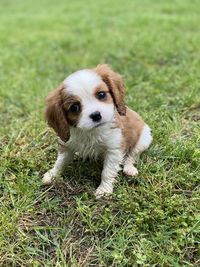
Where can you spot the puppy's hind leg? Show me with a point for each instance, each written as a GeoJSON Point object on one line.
{"type": "Point", "coordinates": [64, 156]}
{"type": "Point", "coordinates": [128, 166]}
{"type": "Point", "coordinates": [142, 144]}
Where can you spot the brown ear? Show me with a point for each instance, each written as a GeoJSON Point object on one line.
{"type": "Point", "coordinates": [55, 115]}
{"type": "Point", "coordinates": [115, 84]}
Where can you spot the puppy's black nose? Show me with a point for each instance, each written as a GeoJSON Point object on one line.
{"type": "Point", "coordinates": [95, 116]}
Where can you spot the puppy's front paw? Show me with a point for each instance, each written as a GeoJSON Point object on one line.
{"type": "Point", "coordinates": [47, 178]}
{"type": "Point", "coordinates": [103, 190]}
{"type": "Point", "coordinates": [130, 170]}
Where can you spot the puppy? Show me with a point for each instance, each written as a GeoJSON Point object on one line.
{"type": "Point", "coordinates": [88, 114]}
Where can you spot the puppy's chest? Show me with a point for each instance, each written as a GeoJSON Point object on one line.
{"type": "Point", "coordinates": [95, 142]}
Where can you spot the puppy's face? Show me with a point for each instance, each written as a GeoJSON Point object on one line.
{"type": "Point", "coordinates": [87, 99]}
{"type": "Point", "coordinates": [88, 102]}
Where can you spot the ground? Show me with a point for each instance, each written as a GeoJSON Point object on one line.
{"type": "Point", "coordinates": [151, 220]}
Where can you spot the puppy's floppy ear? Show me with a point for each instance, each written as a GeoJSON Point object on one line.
{"type": "Point", "coordinates": [115, 84]}
{"type": "Point", "coordinates": [55, 114]}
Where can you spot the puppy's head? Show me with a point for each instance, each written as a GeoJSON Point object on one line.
{"type": "Point", "coordinates": [86, 99]}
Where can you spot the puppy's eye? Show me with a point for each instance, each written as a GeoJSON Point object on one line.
{"type": "Point", "coordinates": [75, 107]}
{"type": "Point", "coordinates": [101, 95]}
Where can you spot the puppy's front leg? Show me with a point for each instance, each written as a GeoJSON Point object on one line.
{"type": "Point", "coordinates": [111, 167]}
{"type": "Point", "coordinates": [65, 155]}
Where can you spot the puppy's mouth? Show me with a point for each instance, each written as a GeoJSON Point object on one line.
{"type": "Point", "coordinates": [100, 124]}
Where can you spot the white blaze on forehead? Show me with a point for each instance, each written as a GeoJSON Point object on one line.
{"type": "Point", "coordinates": [82, 81]}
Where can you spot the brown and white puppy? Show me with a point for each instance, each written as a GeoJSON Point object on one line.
{"type": "Point", "coordinates": [88, 114]}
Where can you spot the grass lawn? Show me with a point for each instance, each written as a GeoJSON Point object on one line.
{"type": "Point", "coordinates": [152, 220]}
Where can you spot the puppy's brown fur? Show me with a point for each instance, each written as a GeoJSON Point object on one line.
{"type": "Point", "coordinates": [115, 85]}
{"type": "Point", "coordinates": [121, 133]}
{"type": "Point", "coordinates": [59, 117]}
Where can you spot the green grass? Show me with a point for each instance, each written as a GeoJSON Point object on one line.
{"type": "Point", "coordinates": [152, 220]}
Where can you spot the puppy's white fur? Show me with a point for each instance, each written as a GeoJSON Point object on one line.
{"type": "Point", "coordinates": [103, 141]}
{"type": "Point", "coordinates": [107, 140]}
{"type": "Point", "coordinates": [142, 144]}
{"type": "Point", "coordinates": [82, 83]}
